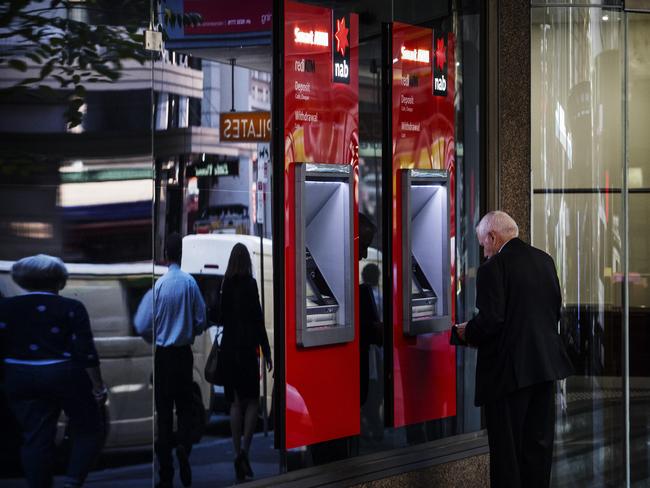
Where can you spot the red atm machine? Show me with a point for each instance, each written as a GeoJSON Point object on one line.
{"type": "Point", "coordinates": [321, 121]}
{"type": "Point", "coordinates": [423, 382]}
{"type": "Point", "coordinates": [424, 246]}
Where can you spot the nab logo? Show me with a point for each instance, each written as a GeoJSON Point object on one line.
{"type": "Point", "coordinates": [341, 48]}
{"type": "Point", "coordinates": [440, 65]}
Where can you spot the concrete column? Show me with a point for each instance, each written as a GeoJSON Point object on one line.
{"type": "Point", "coordinates": [508, 107]}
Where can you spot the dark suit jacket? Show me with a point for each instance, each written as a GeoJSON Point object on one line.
{"type": "Point", "coordinates": [516, 330]}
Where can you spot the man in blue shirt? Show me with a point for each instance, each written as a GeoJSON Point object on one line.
{"type": "Point", "coordinates": [179, 315]}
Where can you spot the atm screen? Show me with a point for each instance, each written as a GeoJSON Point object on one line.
{"type": "Point", "coordinates": [318, 291]}
{"type": "Point", "coordinates": [420, 286]}
{"type": "Point", "coordinates": [423, 298]}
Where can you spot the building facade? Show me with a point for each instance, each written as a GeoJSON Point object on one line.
{"type": "Point", "coordinates": [336, 109]}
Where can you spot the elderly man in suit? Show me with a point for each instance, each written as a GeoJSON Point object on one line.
{"type": "Point", "coordinates": [520, 354]}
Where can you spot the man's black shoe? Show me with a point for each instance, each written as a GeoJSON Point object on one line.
{"type": "Point", "coordinates": [184, 468]}
{"type": "Point", "coordinates": [164, 484]}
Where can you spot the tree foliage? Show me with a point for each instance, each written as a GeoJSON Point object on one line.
{"type": "Point", "coordinates": [72, 44]}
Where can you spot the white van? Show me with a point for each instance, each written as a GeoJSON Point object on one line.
{"type": "Point", "coordinates": [205, 257]}
{"type": "Point", "coordinates": [111, 294]}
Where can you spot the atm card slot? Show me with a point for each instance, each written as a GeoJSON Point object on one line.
{"type": "Point", "coordinates": [423, 309]}
{"type": "Point", "coordinates": [417, 301]}
{"type": "Point", "coordinates": [418, 314]}
{"type": "Point", "coordinates": [321, 319]}
{"type": "Point", "coordinates": [321, 309]}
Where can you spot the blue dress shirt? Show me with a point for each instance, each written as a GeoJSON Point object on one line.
{"type": "Point", "coordinates": [175, 309]}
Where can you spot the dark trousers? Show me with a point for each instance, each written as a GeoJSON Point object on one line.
{"type": "Point", "coordinates": [36, 395]}
{"type": "Point", "coordinates": [521, 429]}
{"type": "Point", "coordinates": [172, 388]}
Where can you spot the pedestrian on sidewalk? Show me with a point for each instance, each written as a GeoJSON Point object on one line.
{"type": "Point", "coordinates": [520, 354]}
{"type": "Point", "coordinates": [179, 315]}
{"type": "Point", "coordinates": [243, 334]}
{"type": "Point", "coordinates": [51, 365]}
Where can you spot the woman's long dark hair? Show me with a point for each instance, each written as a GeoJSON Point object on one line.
{"type": "Point", "coordinates": [239, 263]}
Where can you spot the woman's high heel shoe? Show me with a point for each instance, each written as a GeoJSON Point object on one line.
{"type": "Point", "coordinates": [247, 465]}
{"type": "Point", "coordinates": [240, 470]}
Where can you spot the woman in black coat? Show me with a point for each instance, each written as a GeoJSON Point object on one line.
{"type": "Point", "coordinates": [243, 333]}
{"type": "Point", "coordinates": [50, 364]}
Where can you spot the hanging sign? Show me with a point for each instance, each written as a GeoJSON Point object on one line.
{"type": "Point", "coordinates": [245, 126]}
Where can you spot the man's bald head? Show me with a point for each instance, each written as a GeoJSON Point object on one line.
{"type": "Point", "coordinates": [494, 230]}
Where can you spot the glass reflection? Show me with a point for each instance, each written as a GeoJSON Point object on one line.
{"type": "Point", "coordinates": [216, 195]}
{"type": "Point", "coordinates": [577, 216]}
{"type": "Point", "coordinates": [76, 183]}
{"type": "Point", "coordinates": [638, 165]}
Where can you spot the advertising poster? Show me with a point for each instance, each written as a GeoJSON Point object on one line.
{"type": "Point", "coordinates": [321, 121]}
{"type": "Point", "coordinates": [424, 370]}
{"type": "Point", "coordinates": [320, 85]}
{"type": "Point", "coordinates": [229, 17]}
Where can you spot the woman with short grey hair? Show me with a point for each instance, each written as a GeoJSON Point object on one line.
{"type": "Point", "coordinates": [51, 365]}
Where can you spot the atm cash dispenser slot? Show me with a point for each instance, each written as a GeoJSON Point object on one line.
{"type": "Point", "coordinates": [321, 305]}
{"type": "Point", "coordinates": [425, 251]}
{"type": "Point", "coordinates": [423, 297]}
{"type": "Point", "coordinates": [324, 236]}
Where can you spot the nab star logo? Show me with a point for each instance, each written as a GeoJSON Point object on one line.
{"type": "Point", "coordinates": [341, 52]}
{"type": "Point", "coordinates": [441, 55]}
{"type": "Point", "coordinates": [439, 74]}
{"type": "Point", "coordinates": [341, 36]}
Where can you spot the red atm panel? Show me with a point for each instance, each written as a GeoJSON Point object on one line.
{"type": "Point", "coordinates": [424, 370]}
{"type": "Point", "coordinates": [320, 128]}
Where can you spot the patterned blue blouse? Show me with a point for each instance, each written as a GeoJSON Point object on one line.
{"type": "Point", "coordinates": [44, 326]}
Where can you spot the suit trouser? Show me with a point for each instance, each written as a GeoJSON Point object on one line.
{"type": "Point", "coordinates": [521, 429]}
{"type": "Point", "coordinates": [37, 394]}
{"type": "Point", "coordinates": [172, 387]}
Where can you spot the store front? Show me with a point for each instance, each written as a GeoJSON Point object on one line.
{"type": "Point", "coordinates": [378, 94]}
{"type": "Point", "coordinates": [589, 100]}
{"type": "Point", "coordinates": [341, 143]}
{"type": "Point", "coordinates": [373, 107]}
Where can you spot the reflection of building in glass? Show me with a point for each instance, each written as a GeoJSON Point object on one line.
{"type": "Point", "coordinates": [97, 177]}
{"type": "Point", "coordinates": [203, 185]}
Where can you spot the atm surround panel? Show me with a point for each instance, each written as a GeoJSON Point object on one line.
{"type": "Point", "coordinates": [426, 277]}
{"type": "Point", "coordinates": [324, 233]}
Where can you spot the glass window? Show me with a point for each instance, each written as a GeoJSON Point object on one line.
{"type": "Point", "coordinates": [638, 167]}
{"type": "Point", "coordinates": [115, 150]}
{"type": "Point", "coordinates": [76, 183]}
{"type": "Point", "coordinates": [577, 216]}
{"type": "Point", "coordinates": [214, 189]}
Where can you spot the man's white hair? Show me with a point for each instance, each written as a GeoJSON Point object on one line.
{"type": "Point", "coordinates": [498, 222]}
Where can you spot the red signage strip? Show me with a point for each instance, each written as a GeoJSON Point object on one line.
{"type": "Point", "coordinates": [321, 126]}
{"type": "Point", "coordinates": [424, 369]}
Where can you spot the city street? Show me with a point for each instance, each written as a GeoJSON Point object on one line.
{"type": "Point", "coordinates": [212, 463]}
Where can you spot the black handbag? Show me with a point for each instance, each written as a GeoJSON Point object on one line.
{"type": "Point", "coordinates": [213, 371]}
